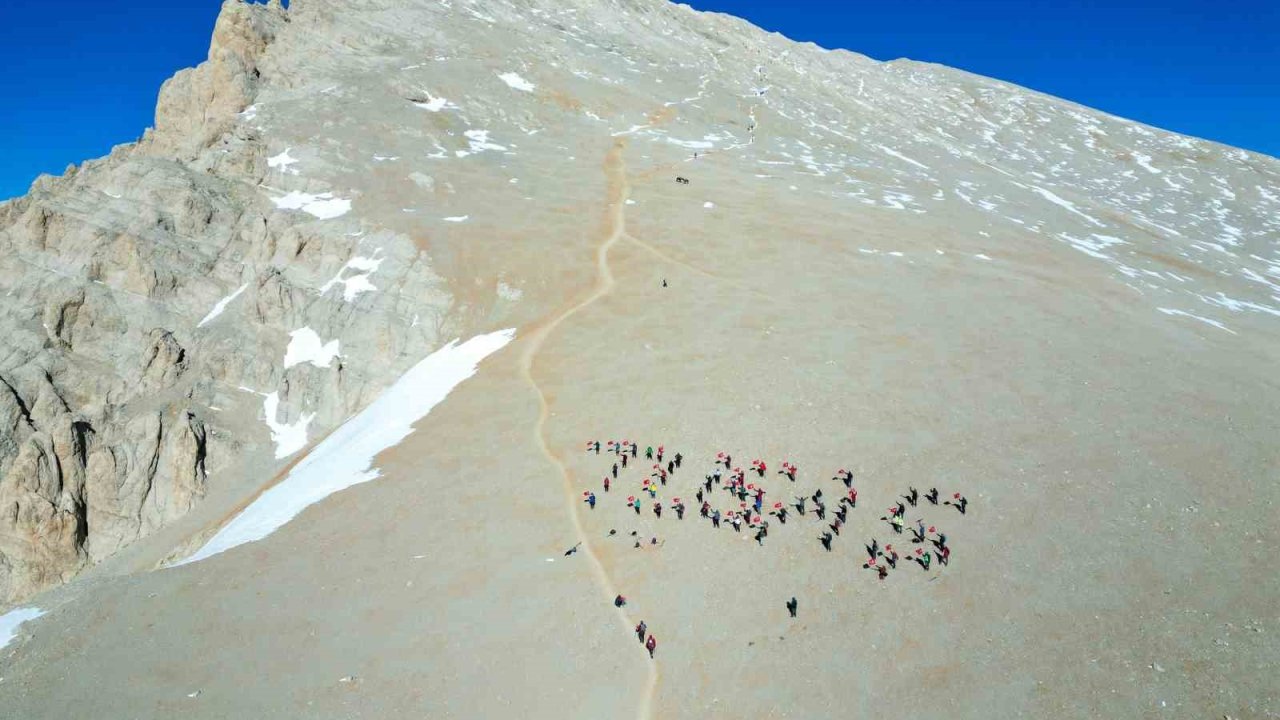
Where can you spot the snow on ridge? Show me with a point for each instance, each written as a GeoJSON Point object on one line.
{"type": "Point", "coordinates": [282, 162]}
{"type": "Point", "coordinates": [305, 346]}
{"type": "Point", "coordinates": [356, 284]}
{"type": "Point", "coordinates": [346, 457]}
{"type": "Point", "coordinates": [289, 439]}
{"type": "Point", "coordinates": [323, 206]}
{"type": "Point", "coordinates": [516, 82]}
{"type": "Point", "coordinates": [221, 305]}
{"type": "Point", "coordinates": [12, 620]}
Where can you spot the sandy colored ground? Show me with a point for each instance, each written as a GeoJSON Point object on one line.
{"type": "Point", "coordinates": [1117, 519]}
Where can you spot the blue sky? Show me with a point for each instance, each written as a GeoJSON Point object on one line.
{"type": "Point", "coordinates": [82, 76]}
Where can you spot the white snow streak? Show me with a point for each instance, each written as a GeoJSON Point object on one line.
{"type": "Point", "coordinates": [12, 620]}
{"type": "Point", "coordinates": [516, 82]}
{"type": "Point", "coordinates": [221, 305]}
{"type": "Point", "coordinates": [345, 458]}
{"type": "Point", "coordinates": [324, 206]}
{"type": "Point", "coordinates": [305, 346]}
{"type": "Point", "coordinates": [1215, 323]}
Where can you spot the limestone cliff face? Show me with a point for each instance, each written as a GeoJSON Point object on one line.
{"type": "Point", "coordinates": [117, 403]}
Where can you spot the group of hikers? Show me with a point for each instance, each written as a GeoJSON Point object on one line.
{"type": "Point", "coordinates": [926, 546]}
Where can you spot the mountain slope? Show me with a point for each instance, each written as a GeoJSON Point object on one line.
{"type": "Point", "coordinates": [928, 277]}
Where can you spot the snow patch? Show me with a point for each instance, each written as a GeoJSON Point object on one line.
{"type": "Point", "coordinates": [305, 346]}
{"type": "Point", "coordinates": [12, 620]}
{"type": "Point", "coordinates": [356, 284]}
{"type": "Point", "coordinates": [221, 305]}
{"type": "Point", "coordinates": [1207, 321]}
{"type": "Point", "coordinates": [323, 206]}
{"type": "Point", "coordinates": [289, 439]}
{"type": "Point", "coordinates": [516, 82]}
{"type": "Point", "coordinates": [345, 458]}
{"type": "Point", "coordinates": [708, 204]}
{"type": "Point", "coordinates": [282, 162]}
{"type": "Point", "coordinates": [457, 218]}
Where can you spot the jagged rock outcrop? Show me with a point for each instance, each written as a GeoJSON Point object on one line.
{"type": "Point", "coordinates": [148, 298]}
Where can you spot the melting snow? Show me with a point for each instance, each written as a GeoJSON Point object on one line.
{"type": "Point", "coordinates": [221, 305]}
{"type": "Point", "coordinates": [457, 218]}
{"type": "Point", "coordinates": [708, 204]}
{"type": "Point", "coordinates": [345, 458]}
{"type": "Point", "coordinates": [355, 284]}
{"type": "Point", "coordinates": [305, 346]}
{"type": "Point", "coordinates": [1064, 204]}
{"type": "Point", "coordinates": [282, 162]}
{"type": "Point", "coordinates": [289, 439]}
{"type": "Point", "coordinates": [1215, 323]}
{"type": "Point", "coordinates": [324, 206]}
{"type": "Point", "coordinates": [12, 620]}
{"type": "Point", "coordinates": [515, 81]}
{"type": "Point", "coordinates": [900, 156]}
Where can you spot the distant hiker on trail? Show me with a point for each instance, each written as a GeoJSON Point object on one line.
{"type": "Point", "coordinates": [844, 476]}
{"type": "Point", "coordinates": [932, 496]}
{"type": "Point", "coordinates": [799, 505]}
{"type": "Point", "coordinates": [918, 532]}
{"type": "Point", "coordinates": [660, 450]}
{"type": "Point", "coordinates": [891, 556]}
{"type": "Point", "coordinates": [882, 572]}
{"type": "Point", "coordinates": [671, 466]}
{"type": "Point", "coordinates": [591, 500]}
{"type": "Point", "coordinates": [941, 541]}
{"type": "Point", "coordinates": [679, 509]}
{"type": "Point", "coordinates": [835, 527]}
{"type": "Point", "coordinates": [634, 448]}
{"type": "Point", "coordinates": [635, 503]}
{"type": "Point", "coordinates": [657, 510]}
{"type": "Point", "coordinates": [736, 521]}
{"type": "Point", "coordinates": [826, 541]}
{"type": "Point", "coordinates": [651, 644]}
{"type": "Point", "coordinates": [679, 458]}
{"type": "Point", "coordinates": [705, 510]}
{"type": "Point", "coordinates": [820, 510]}
{"type": "Point", "coordinates": [791, 606]}
{"type": "Point", "coordinates": [597, 447]}
{"type": "Point", "coordinates": [715, 519]}
{"type": "Point", "coordinates": [912, 496]}
{"type": "Point", "coordinates": [842, 513]}
{"type": "Point", "coordinates": [853, 497]}
{"type": "Point", "coordinates": [619, 601]}
{"type": "Point", "coordinates": [961, 502]}
{"type": "Point", "coordinates": [760, 536]}
{"type": "Point", "coordinates": [615, 471]}
{"type": "Point", "coordinates": [641, 629]}
{"type": "Point", "coordinates": [789, 470]}
{"type": "Point", "coordinates": [944, 556]}
{"type": "Point", "coordinates": [572, 550]}
{"type": "Point", "coordinates": [624, 460]}
{"type": "Point", "coordinates": [606, 483]}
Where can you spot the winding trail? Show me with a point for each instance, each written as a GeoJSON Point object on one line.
{"type": "Point", "coordinates": [615, 230]}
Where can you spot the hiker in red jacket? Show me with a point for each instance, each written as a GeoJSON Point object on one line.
{"type": "Point", "coordinates": [651, 644]}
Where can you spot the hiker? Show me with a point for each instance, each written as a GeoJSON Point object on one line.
{"type": "Point", "coordinates": [634, 448]}
{"type": "Point", "coordinates": [842, 513]}
{"type": "Point", "coordinates": [727, 461]}
{"type": "Point", "coordinates": [882, 572]}
{"type": "Point", "coordinates": [619, 601]}
{"type": "Point", "coordinates": [961, 502]}
{"type": "Point", "coordinates": [635, 503]}
{"type": "Point", "coordinates": [615, 471]}
{"type": "Point", "coordinates": [679, 510]}
{"type": "Point", "coordinates": [853, 497]}
{"type": "Point", "coordinates": [715, 519]}
{"type": "Point", "coordinates": [641, 629]}
{"type": "Point", "coordinates": [791, 606]}
{"type": "Point", "coordinates": [912, 496]}
{"type": "Point", "coordinates": [923, 558]}
{"type": "Point", "coordinates": [648, 453]}
{"type": "Point", "coordinates": [826, 541]}
{"type": "Point", "coordinates": [821, 511]}
{"type": "Point", "coordinates": [671, 466]}
{"type": "Point", "coordinates": [932, 496]}
{"type": "Point", "coordinates": [918, 532]}
{"type": "Point", "coordinates": [944, 556]}
{"type": "Point", "coordinates": [891, 556]}
{"type": "Point", "coordinates": [800, 505]}
{"type": "Point", "coordinates": [760, 537]}
{"type": "Point", "coordinates": [591, 500]}
{"type": "Point", "coordinates": [789, 470]}
{"type": "Point", "coordinates": [572, 550]}
{"type": "Point", "coordinates": [660, 450]}
{"type": "Point", "coordinates": [657, 510]}
{"type": "Point", "coordinates": [597, 447]}
{"type": "Point", "coordinates": [624, 460]}
{"type": "Point", "coordinates": [651, 644]}
{"type": "Point", "coordinates": [606, 483]}
{"type": "Point", "coordinates": [835, 527]}
{"type": "Point", "coordinates": [899, 510]}
{"type": "Point", "coordinates": [844, 476]}
{"type": "Point", "coordinates": [736, 521]}
{"type": "Point", "coordinates": [705, 510]}
{"type": "Point", "coordinates": [679, 458]}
